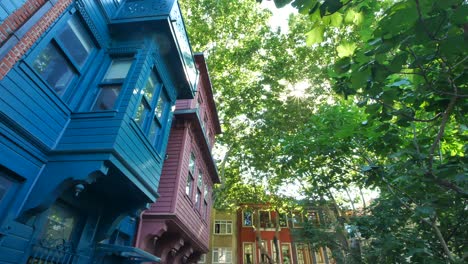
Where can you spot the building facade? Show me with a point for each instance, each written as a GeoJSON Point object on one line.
{"type": "Point", "coordinates": [87, 96]}
{"type": "Point", "coordinates": [234, 237]}
{"type": "Point", "coordinates": [176, 228]}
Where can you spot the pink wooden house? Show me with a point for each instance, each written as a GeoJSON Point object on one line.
{"type": "Point", "coordinates": [176, 228]}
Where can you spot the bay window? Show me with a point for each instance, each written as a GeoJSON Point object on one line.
{"type": "Point", "coordinates": [111, 85]}
{"type": "Point", "coordinates": [153, 110]}
{"type": "Point", "coordinates": [62, 60]}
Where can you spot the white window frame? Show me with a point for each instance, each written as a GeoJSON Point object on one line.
{"type": "Point", "coordinates": [265, 245]}
{"type": "Point", "coordinates": [243, 217]}
{"type": "Point", "coordinates": [222, 250]}
{"type": "Point", "coordinates": [290, 252]}
{"type": "Point", "coordinates": [222, 222]}
{"type": "Point", "coordinates": [254, 259]}
{"type": "Point", "coordinates": [293, 219]}
{"type": "Point", "coordinates": [273, 249]}
{"type": "Point", "coordinates": [268, 224]}
{"type": "Point", "coordinates": [202, 259]}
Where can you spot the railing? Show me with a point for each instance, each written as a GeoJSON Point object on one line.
{"type": "Point", "coordinates": [62, 252]}
{"type": "Point", "coordinates": [56, 253]}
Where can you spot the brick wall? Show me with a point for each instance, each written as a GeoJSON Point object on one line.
{"type": "Point", "coordinates": [19, 18]}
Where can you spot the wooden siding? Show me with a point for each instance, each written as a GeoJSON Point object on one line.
{"type": "Point", "coordinates": [188, 215]}
{"type": "Point", "coordinates": [136, 150]}
{"type": "Point", "coordinates": [32, 110]}
{"type": "Point", "coordinates": [14, 246]}
{"type": "Point", "coordinates": [168, 185]}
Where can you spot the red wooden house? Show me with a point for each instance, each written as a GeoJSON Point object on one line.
{"type": "Point", "coordinates": [176, 228]}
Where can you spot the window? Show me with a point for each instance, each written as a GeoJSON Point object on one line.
{"type": "Point", "coordinates": [62, 60]}
{"type": "Point", "coordinates": [5, 184]}
{"type": "Point", "coordinates": [110, 87]}
{"type": "Point", "coordinates": [263, 257]}
{"type": "Point", "coordinates": [153, 111]}
{"type": "Point", "coordinates": [198, 196]}
{"type": "Point", "coordinates": [265, 221]}
{"type": "Point", "coordinates": [222, 256]}
{"type": "Point", "coordinates": [198, 199]}
{"type": "Point", "coordinates": [283, 219]}
{"type": "Point", "coordinates": [205, 201]}
{"type": "Point", "coordinates": [202, 259]}
{"type": "Point", "coordinates": [61, 222]}
{"type": "Point", "coordinates": [249, 257]}
{"type": "Point", "coordinates": [286, 253]}
{"type": "Point", "coordinates": [273, 250]}
{"type": "Point", "coordinates": [247, 218]}
{"type": "Point", "coordinates": [222, 227]}
{"type": "Point", "coordinates": [319, 256]}
{"type": "Point", "coordinates": [6, 192]}
{"type": "Point", "coordinates": [303, 254]}
{"type": "Point", "coordinates": [189, 184]}
{"type": "Point", "coordinates": [313, 218]}
{"type": "Point", "coordinates": [298, 221]}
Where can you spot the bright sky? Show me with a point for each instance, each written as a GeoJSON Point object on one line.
{"type": "Point", "coordinates": [280, 15]}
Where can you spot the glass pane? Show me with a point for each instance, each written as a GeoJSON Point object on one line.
{"type": "Point", "coordinates": [205, 191]}
{"type": "Point", "coordinates": [162, 102]}
{"type": "Point", "coordinates": [286, 254]}
{"type": "Point", "coordinates": [150, 86]}
{"type": "Point", "coordinates": [200, 179]}
{"type": "Point", "coordinates": [107, 97]}
{"type": "Point", "coordinates": [118, 69]}
{"type": "Point", "coordinates": [5, 184]}
{"type": "Point", "coordinates": [59, 227]}
{"type": "Point", "coordinates": [76, 40]}
{"type": "Point", "coordinates": [54, 68]}
{"type": "Point", "coordinates": [197, 199]}
{"type": "Point", "coordinates": [142, 112]}
{"type": "Point", "coordinates": [154, 129]}
{"type": "Point", "coordinates": [188, 186]}
{"type": "Point", "coordinates": [192, 163]}
{"type": "Point", "coordinates": [247, 218]}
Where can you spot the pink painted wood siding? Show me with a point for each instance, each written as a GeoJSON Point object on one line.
{"type": "Point", "coordinates": [169, 178]}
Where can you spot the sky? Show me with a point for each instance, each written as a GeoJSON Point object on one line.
{"type": "Point", "coordinates": [280, 15]}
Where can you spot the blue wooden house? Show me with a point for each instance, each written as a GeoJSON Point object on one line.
{"type": "Point", "coordinates": [87, 90]}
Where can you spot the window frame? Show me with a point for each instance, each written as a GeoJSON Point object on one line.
{"type": "Point", "coordinates": [192, 165]}
{"type": "Point", "coordinates": [290, 252]}
{"type": "Point", "coordinates": [52, 38]}
{"type": "Point", "coordinates": [251, 216]}
{"type": "Point", "coordinates": [10, 191]}
{"type": "Point", "coordinates": [297, 225]}
{"type": "Point", "coordinates": [254, 260]}
{"type": "Point", "coordinates": [222, 222]}
{"type": "Point", "coordinates": [268, 223]}
{"type": "Point", "coordinates": [150, 117]}
{"type": "Point", "coordinates": [108, 83]}
{"type": "Point", "coordinates": [222, 250]}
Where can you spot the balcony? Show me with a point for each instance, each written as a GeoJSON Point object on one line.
{"type": "Point", "coordinates": [162, 21]}
{"type": "Point", "coordinates": [63, 253]}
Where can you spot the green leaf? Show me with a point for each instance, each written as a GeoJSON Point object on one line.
{"type": "Point", "coordinates": [353, 17]}
{"type": "Point", "coordinates": [425, 211]}
{"type": "Point", "coordinates": [281, 3]}
{"type": "Point", "coordinates": [460, 16]}
{"type": "Point", "coordinates": [346, 49]}
{"type": "Point", "coordinates": [314, 36]}
{"type": "Point", "coordinates": [342, 65]}
{"type": "Point", "coordinates": [304, 6]}
{"type": "Point", "coordinates": [330, 7]}
{"type": "Point", "coordinates": [360, 78]}
{"type": "Point", "coordinates": [398, 62]}
{"type": "Point", "coordinates": [336, 19]}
